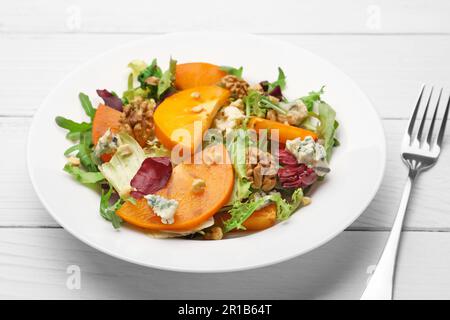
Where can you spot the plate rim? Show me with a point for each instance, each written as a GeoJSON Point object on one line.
{"type": "Point", "coordinates": [331, 235]}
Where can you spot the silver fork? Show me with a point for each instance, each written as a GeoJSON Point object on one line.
{"type": "Point", "coordinates": [419, 154]}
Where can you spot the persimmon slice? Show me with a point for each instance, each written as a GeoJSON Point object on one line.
{"type": "Point", "coordinates": [182, 118]}
{"type": "Point", "coordinates": [285, 132]}
{"type": "Point", "coordinates": [195, 74]}
{"type": "Point", "coordinates": [105, 118]}
{"type": "Point", "coordinates": [194, 208]}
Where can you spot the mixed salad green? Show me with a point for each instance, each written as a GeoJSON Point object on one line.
{"type": "Point", "coordinates": [278, 149]}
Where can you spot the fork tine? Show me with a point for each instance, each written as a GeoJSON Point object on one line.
{"type": "Point", "coordinates": [444, 122]}
{"type": "Point", "coordinates": [430, 131]}
{"type": "Point", "coordinates": [424, 117]}
{"type": "Point", "coordinates": [412, 120]}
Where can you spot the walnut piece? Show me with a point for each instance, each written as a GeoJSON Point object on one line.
{"type": "Point", "coordinates": [215, 233]}
{"type": "Point", "coordinates": [306, 201]}
{"type": "Point", "coordinates": [261, 169]}
{"type": "Point", "coordinates": [257, 87]}
{"type": "Point", "coordinates": [198, 185]}
{"type": "Point", "coordinates": [153, 81]}
{"type": "Point", "coordinates": [74, 161]}
{"type": "Point", "coordinates": [237, 87]}
{"type": "Point", "coordinates": [137, 120]}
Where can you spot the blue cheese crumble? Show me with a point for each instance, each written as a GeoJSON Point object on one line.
{"type": "Point", "coordinates": [164, 208]}
{"type": "Point", "coordinates": [108, 143]}
{"type": "Point", "coordinates": [230, 117]}
{"type": "Point", "coordinates": [309, 152]}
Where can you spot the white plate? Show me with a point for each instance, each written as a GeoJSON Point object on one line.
{"type": "Point", "coordinates": [357, 165]}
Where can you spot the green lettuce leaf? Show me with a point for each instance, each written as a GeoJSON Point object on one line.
{"type": "Point", "coordinates": [241, 211]}
{"type": "Point", "coordinates": [284, 208]}
{"type": "Point", "coordinates": [137, 66]}
{"type": "Point", "coordinates": [151, 71]}
{"type": "Point", "coordinates": [122, 168]}
{"type": "Point", "coordinates": [327, 127]}
{"type": "Point", "coordinates": [167, 79]}
{"type": "Point", "coordinates": [238, 150]}
{"type": "Point", "coordinates": [130, 94]}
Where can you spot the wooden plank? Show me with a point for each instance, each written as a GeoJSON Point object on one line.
{"type": "Point", "coordinates": [321, 16]}
{"type": "Point", "coordinates": [34, 263]}
{"type": "Point", "coordinates": [429, 207]}
{"type": "Point", "coordinates": [19, 204]}
{"type": "Point", "coordinates": [388, 68]}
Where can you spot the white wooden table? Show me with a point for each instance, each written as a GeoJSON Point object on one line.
{"type": "Point", "coordinates": [388, 47]}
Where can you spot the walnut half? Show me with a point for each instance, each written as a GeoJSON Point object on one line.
{"type": "Point", "coordinates": [137, 120]}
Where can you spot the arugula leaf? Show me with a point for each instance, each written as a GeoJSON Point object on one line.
{"type": "Point", "coordinates": [252, 104]}
{"type": "Point", "coordinates": [85, 152]}
{"type": "Point", "coordinates": [84, 176]}
{"type": "Point", "coordinates": [72, 126]}
{"type": "Point", "coordinates": [87, 105]}
{"type": "Point", "coordinates": [73, 136]}
{"type": "Point", "coordinates": [311, 98]}
{"type": "Point", "coordinates": [71, 149]}
{"type": "Point", "coordinates": [108, 211]}
{"type": "Point", "coordinates": [167, 78]}
{"type": "Point", "coordinates": [327, 127]}
{"type": "Point", "coordinates": [281, 81]}
{"type": "Point", "coordinates": [233, 71]}
{"type": "Point", "coordinates": [257, 104]}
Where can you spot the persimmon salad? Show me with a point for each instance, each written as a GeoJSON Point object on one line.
{"type": "Point", "coordinates": [197, 151]}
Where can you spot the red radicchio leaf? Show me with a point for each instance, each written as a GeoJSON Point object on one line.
{"type": "Point", "coordinates": [151, 176]}
{"type": "Point", "coordinates": [265, 85]}
{"type": "Point", "coordinates": [276, 92]}
{"type": "Point", "coordinates": [286, 158]}
{"type": "Point", "coordinates": [110, 100]}
{"type": "Point", "coordinates": [293, 174]}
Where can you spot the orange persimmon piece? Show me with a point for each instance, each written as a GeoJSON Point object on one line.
{"type": "Point", "coordinates": [259, 220]}
{"type": "Point", "coordinates": [184, 117]}
{"type": "Point", "coordinates": [285, 132]}
{"type": "Point", "coordinates": [262, 219]}
{"type": "Point", "coordinates": [105, 118]}
{"type": "Point", "coordinates": [196, 74]}
{"type": "Point", "coordinates": [194, 207]}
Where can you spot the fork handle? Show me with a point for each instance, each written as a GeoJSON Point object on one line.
{"type": "Point", "coordinates": [381, 283]}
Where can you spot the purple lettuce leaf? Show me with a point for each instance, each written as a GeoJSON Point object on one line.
{"type": "Point", "coordinates": [110, 99]}
{"type": "Point", "coordinates": [151, 176]}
